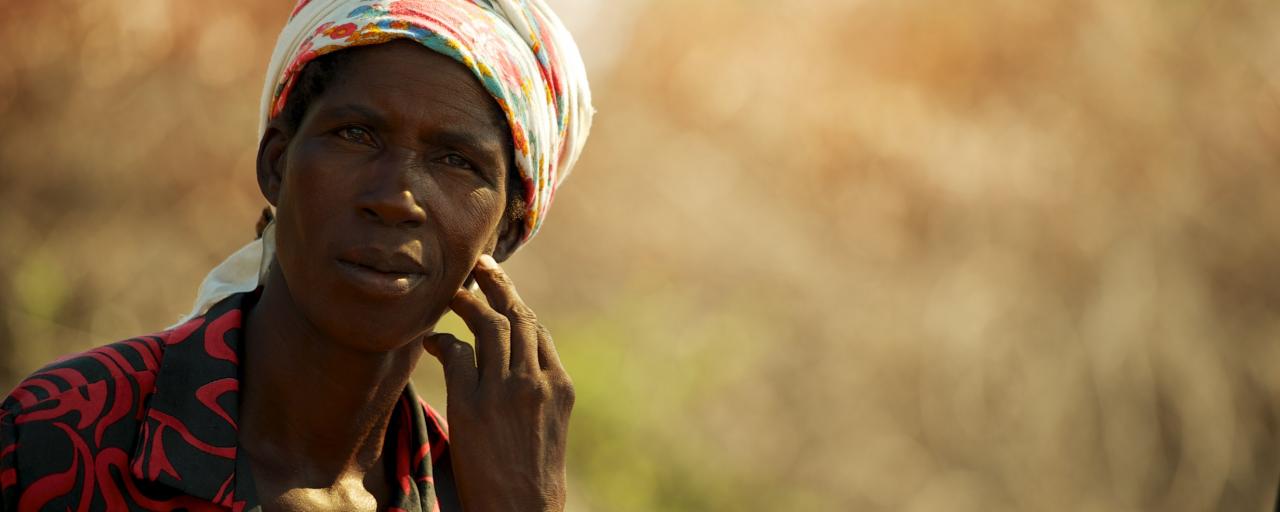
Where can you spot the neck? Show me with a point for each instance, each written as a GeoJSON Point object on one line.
{"type": "Point", "coordinates": [311, 406]}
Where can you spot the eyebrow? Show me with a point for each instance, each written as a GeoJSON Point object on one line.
{"type": "Point", "coordinates": [453, 136]}
{"type": "Point", "coordinates": [470, 141]}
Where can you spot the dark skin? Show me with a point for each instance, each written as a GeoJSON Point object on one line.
{"type": "Point", "coordinates": [390, 192]}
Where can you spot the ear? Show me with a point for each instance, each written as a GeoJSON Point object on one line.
{"type": "Point", "coordinates": [271, 162]}
{"type": "Point", "coordinates": [510, 233]}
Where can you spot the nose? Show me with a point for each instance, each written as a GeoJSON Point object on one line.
{"type": "Point", "coordinates": [388, 197]}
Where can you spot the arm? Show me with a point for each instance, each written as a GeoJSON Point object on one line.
{"type": "Point", "coordinates": [508, 405]}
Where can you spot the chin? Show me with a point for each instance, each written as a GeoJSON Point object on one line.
{"type": "Point", "coordinates": [374, 331]}
{"type": "Point", "coordinates": [372, 325]}
{"type": "Point", "coordinates": [382, 341]}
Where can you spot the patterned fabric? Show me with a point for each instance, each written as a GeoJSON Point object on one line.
{"type": "Point", "coordinates": [518, 49]}
{"type": "Point", "coordinates": [149, 423]}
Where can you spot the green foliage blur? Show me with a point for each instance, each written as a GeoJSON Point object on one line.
{"type": "Point", "coordinates": [819, 254]}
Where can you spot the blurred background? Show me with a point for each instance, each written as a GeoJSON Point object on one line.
{"type": "Point", "coordinates": [819, 255]}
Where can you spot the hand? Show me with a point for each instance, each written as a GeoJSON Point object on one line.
{"type": "Point", "coordinates": [509, 400]}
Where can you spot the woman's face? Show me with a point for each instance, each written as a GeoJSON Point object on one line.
{"type": "Point", "coordinates": [391, 187]}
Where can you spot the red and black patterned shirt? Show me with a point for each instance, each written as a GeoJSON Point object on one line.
{"type": "Point", "coordinates": [149, 423]}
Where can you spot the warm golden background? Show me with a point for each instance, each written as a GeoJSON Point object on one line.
{"type": "Point", "coordinates": [863, 255]}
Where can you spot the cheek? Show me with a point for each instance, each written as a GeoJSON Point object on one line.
{"type": "Point", "coordinates": [310, 181]}
{"type": "Point", "coordinates": [473, 220]}
{"type": "Point", "coordinates": [468, 226]}
{"type": "Point", "coordinates": [310, 196]}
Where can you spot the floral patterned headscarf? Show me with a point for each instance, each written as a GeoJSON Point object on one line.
{"type": "Point", "coordinates": [518, 49]}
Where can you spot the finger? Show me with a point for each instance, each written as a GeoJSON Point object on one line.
{"type": "Point", "coordinates": [548, 357]}
{"type": "Point", "coordinates": [491, 330]}
{"type": "Point", "coordinates": [503, 298]}
{"type": "Point", "coordinates": [458, 360]}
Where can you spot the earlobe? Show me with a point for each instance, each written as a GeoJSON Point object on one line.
{"type": "Point", "coordinates": [271, 160]}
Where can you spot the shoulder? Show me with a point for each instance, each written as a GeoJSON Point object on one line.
{"type": "Point", "coordinates": [82, 408]}
{"type": "Point", "coordinates": [135, 360]}
{"type": "Point", "coordinates": [56, 414]}
{"type": "Point", "coordinates": [101, 413]}
{"type": "Point", "coordinates": [86, 378]}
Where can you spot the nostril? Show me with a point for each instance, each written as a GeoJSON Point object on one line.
{"type": "Point", "coordinates": [391, 218]}
{"type": "Point", "coordinates": [389, 209]}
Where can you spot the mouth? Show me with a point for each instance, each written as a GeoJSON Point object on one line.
{"type": "Point", "coordinates": [381, 277]}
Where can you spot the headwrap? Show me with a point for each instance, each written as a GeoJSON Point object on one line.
{"type": "Point", "coordinates": [518, 49]}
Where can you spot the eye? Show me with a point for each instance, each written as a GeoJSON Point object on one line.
{"type": "Point", "coordinates": [356, 134]}
{"type": "Point", "coordinates": [457, 160]}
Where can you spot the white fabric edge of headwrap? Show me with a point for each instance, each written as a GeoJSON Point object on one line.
{"type": "Point", "coordinates": [240, 272]}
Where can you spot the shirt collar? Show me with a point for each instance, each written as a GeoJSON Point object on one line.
{"type": "Point", "coordinates": [187, 438]}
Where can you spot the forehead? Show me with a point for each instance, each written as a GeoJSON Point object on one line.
{"type": "Point", "coordinates": [410, 83]}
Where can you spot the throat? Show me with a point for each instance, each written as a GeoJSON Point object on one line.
{"type": "Point", "coordinates": [314, 413]}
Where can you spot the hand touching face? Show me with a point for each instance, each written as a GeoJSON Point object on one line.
{"type": "Point", "coordinates": [509, 400]}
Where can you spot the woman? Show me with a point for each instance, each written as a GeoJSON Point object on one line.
{"type": "Point", "coordinates": [407, 147]}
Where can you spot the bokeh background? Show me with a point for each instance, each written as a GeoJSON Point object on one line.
{"type": "Point", "coordinates": [819, 255]}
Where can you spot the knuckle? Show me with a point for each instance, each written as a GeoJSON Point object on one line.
{"type": "Point", "coordinates": [522, 311]}
{"type": "Point", "coordinates": [566, 398]}
{"type": "Point", "coordinates": [500, 278]}
{"type": "Point", "coordinates": [497, 324]}
{"type": "Point", "coordinates": [531, 388]}
{"type": "Point", "coordinates": [524, 324]}
{"type": "Point", "coordinates": [564, 387]}
{"type": "Point", "coordinates": [551, 499]}
{"type": "Point", "coordinates": [460, 359]}
{"type": "Point", "coordinates": [458, 349]}
{"type": "Point", "coordinates": [569, 398]}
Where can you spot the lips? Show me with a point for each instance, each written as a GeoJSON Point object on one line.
{"type": "Point", "coordinates": [391, 262]}
{"type": "Point", "coordinates": [381, 273]}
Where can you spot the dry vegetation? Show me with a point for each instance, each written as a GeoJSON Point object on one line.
{"type": "Point", "coordinates": [860, 255]}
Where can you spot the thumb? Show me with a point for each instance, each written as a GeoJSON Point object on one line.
{"type": "Point", "coordinates": [458, 359]}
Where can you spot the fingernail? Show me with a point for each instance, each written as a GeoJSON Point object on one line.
{"type": "Point", "coordinates": [487, 261]}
